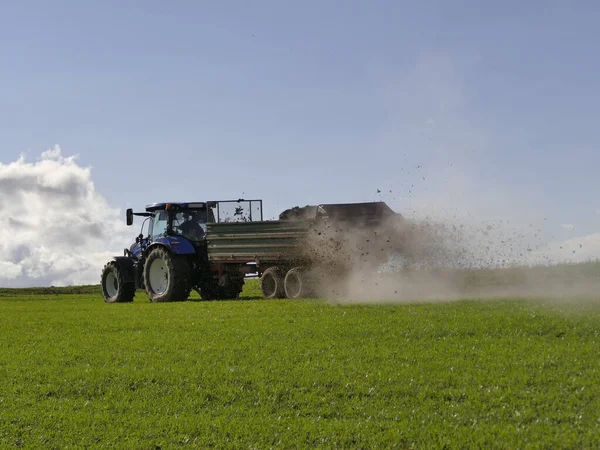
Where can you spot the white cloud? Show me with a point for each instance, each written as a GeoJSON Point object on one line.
{"type": "Point", "coordinates": [55, 229]}
{"type": "Point", "coordinates": [568, 226]}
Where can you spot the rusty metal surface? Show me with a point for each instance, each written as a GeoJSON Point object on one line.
{"type": "Point", "coordinates": [268, 241]}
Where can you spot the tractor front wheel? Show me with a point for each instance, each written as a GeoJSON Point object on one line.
{"type": "Point", "coordinates": [166, 276]}
{"type": "Point", "coordinates": [114, 287]}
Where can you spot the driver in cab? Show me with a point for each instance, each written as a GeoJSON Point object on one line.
{"type": "Point", "coordinates": [191, 227]}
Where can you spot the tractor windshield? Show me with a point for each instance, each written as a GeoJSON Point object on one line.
{"type": "Point", "coordinates": [158, 226]}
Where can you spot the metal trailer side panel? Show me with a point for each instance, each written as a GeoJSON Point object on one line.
{"type": "Point", "coordinates": [261, 242]}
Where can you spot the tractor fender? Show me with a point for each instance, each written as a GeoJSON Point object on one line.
{"type": "Point", "coordinates": [176, 244]}
{"type": "Point", "coordinates": [126, 267]}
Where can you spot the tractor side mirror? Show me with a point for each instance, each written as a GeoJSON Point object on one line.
{"type": "Point", "coordinates": [129, 217]}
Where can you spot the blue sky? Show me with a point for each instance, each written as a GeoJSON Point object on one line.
{"type": "Point", "coordinates": [494, 104]}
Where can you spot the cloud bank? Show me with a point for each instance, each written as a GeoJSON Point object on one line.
{"type": "Point", "coordinates": [55, 229]}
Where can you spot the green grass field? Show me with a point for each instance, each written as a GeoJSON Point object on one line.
{"type": "Point", "coordinates": [78, 373]}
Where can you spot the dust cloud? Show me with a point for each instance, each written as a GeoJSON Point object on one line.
{"type": "Point", "coordinates": [413, 260]}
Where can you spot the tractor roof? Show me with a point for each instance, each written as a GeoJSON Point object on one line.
{"type": "Point", "coordinates": [211, 204]}
{"type": "Point", "coordinates": [157, 206]}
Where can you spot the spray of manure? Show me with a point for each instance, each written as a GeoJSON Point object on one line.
{"type": "Point", "coordinates": [409, 260]}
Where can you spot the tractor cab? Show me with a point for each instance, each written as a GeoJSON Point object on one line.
{"type": "Point", "coordinates": [189, 220]}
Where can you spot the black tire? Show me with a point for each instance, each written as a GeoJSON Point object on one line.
{"type": "Point", "coordinates": [177, 274]}
{"type": "Point", "coordinates": [230, 287]}
{"type": "Point", "coordinates": [114, 287]}
{"type": "Point", "coordinates": [216, 292]}
{"type": "Point", "coordinates": [210, 291]}
{"type": "Point", "coordinates": [296, 283]}
{"type": "Point", "coordinates": [206, 294]}
{"type": "Point", "coordinates": [272, 283]}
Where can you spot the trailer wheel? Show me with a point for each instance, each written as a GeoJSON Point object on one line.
{"type": "Point", "coordinates": [114, 287]}
{"type": "Point", "coordinates": [166, 276]}
{"type": "Point", "coordinates": [272, 283]}
{"type": "Point", "coordinates": [296, 283]}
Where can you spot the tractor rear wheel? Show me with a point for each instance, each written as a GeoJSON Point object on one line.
{"type": "Point", "coordinates": [297, 284]}
{"type": "Point", "coordinates": [114, 287]}
{"type": "Point", "coordinates": [214, 291]}
{"type": "Point", "coordinates": [271, 283]}
{"type": "Point", "coordinates": [167, 276]}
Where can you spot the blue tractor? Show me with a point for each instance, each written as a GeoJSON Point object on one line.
{"type": "Point", "coordinates": [172, 259]}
